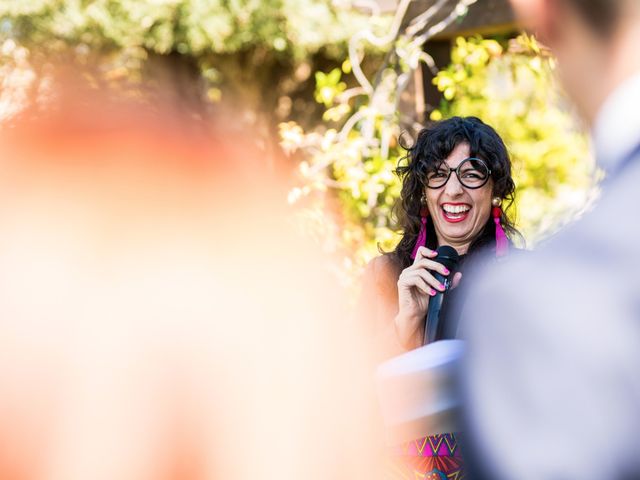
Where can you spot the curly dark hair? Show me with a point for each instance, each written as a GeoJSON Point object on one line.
{"type": "Point", "coordinates": [433, 145]}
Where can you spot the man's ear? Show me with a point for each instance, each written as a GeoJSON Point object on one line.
{"type": "Point", "coordinates": [540, 17]}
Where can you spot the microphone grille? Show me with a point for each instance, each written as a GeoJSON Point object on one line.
{"type": "Point", "coordinates": [448, 256]}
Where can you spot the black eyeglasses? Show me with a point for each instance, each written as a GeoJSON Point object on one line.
{"type": "Point", "coordinates": [471, 172]}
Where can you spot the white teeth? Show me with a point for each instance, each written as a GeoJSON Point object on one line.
{"type": "Point", "coordinates": [456, 208]}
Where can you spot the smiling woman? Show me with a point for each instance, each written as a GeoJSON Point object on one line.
{"type": "Point", "coordinates": [456, 186]}
{"type": "Point", "coordinates": [455, 180]}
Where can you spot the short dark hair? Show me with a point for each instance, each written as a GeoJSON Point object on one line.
{"type": "Point", "coordinates": [601, 15]}
{"type": "Point", "coordinates": [433, 145]}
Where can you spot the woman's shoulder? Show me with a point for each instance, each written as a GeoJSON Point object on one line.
{"type": "Point", "coordinates": [383, 269]}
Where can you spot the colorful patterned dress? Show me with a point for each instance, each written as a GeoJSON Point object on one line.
{"type": "Point", "coordinates": [436, 457]}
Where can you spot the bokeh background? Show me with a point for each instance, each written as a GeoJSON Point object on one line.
{"type": "Point", "coordinates": [328, 91]}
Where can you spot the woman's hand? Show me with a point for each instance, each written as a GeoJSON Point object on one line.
{"type": "Point", "coordinates": [416, 286]}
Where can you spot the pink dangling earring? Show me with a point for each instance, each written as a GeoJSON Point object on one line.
{"type": "Point", "coordinates": [502, 243]}
{"type": "Point", "coordinates": [422, 235]}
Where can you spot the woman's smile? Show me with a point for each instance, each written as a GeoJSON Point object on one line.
{"type": "Point", "coordinates": [455, 212]}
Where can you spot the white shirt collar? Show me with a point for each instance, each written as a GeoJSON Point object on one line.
{"type": "Point", "coordinates": [616, 130]}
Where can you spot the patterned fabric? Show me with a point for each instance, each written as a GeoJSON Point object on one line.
{"type": "Point", "coordinates": [436, 457]}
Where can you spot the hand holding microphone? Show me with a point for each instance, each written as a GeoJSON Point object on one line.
{"type": "Point", "coordinates": [448, 257]}
{"type": "Point", "coordinates": [417, 286]}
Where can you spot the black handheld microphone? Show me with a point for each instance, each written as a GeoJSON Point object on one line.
{"type": "Point", "coordinates": [449, 258]}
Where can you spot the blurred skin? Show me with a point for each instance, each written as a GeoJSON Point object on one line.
{"type": "Point", "coordinates": [590, 66]}
{"type": "Point", "coordinates": [159, 316]}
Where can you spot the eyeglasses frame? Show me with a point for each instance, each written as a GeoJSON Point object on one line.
{"type": "Point", "coordinates": [451, 170]}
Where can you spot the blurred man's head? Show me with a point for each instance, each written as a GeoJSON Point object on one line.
{"type": "Point", "coordinates": [161, 316]}
{"type": "Point", "coordinates": [596, 42]}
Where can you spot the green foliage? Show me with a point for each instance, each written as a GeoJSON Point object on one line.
{"type": "Point", "coordinates": [360, 174]}
{"type": "Point", "coordinates": [328, 86]}
{"type": "Point", "coordinates": [194, 27]}
{"type": "Point", "coordinates": [256, 56]}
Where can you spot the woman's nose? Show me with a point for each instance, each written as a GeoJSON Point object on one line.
{"type": "Point", "coordinates": [453, 186]}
